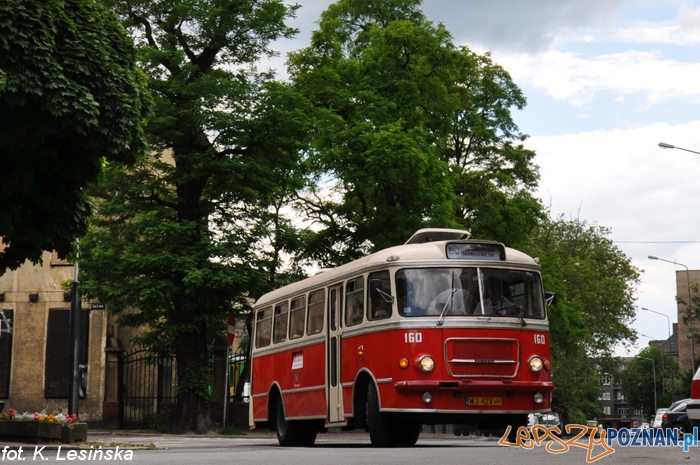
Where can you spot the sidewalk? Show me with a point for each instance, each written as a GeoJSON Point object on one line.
{"type": "Point", "coordinates": [130, 439]}
{"type": "Point", "coordinates": [172, 441]}
{"type": "Point", "coordinates": [139, 439]}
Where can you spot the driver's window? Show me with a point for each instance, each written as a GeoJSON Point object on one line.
{"type": "Point", "coordinates": [380, 298]}
{"type": "Point", "coordinates": [354, 301]}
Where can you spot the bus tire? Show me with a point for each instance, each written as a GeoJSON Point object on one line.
{"type": "Point", "coordinates": [293, 433]}
{"type": "Point", "coordinates": [377, 422]}
{"type": "Point", "coordinates": [283, 428]}
{"type": "Point", "coordinates": [406, 433]}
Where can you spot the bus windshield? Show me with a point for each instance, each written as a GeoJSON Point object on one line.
{"type": "Point", "coordinates": [445, 292]}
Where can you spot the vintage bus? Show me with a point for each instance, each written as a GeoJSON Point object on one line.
{"type": "Point", "coordinates": [407, 336]}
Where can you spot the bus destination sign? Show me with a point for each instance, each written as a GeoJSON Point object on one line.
{"type": "Point", "coordinates": [471, 251]}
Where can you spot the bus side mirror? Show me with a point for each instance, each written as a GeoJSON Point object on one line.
{"type": "Point", "coordinates": [550, 298]}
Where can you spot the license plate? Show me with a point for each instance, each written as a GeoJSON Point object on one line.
{"type": "Point", "coordinates": [478, 401]}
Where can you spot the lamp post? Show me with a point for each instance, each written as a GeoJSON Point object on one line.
{"type": "Point", "coordinates": [664, 145]}
{"type": "Point", "coordinates": [74, 380]}
{"type": "Point", "coordinates": [663, 315]}
{"type": "Point", "coordinates": [663, 371]}
{"type": "Point", "coordinates": [653, 367]}
{"type": "Point", "coordinates": [687, 305]}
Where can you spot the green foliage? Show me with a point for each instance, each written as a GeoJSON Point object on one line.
{"type": "Point", "coordinates": [171, 248]}
{"type": "Point", "coordinates": [648, 379]}
{"type": "Point", "coordinates": [70, 96]}
{"type": "Point", "coordinates": [595, 282]}
{"type": "Point", "coordinates": [411, 131]}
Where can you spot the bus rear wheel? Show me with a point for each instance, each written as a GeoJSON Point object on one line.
{"type": "Point", "coordinates": [293, 433]}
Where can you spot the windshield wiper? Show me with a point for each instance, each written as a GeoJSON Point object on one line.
{"type": "Point", "coordinates": [443, 313]}
{"type": "Point", "coordinates": [388, 298]}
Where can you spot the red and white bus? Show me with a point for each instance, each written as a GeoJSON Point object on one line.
{"type": "Point", "coordinates": [404, 337]}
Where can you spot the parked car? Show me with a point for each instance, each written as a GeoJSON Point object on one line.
{"type": "Point", "coordinates": [593, 428]}
{"type": "Point", "coordinates": [677, 417]}
{"type": "Point", "coordinates": [693, 407]}
{"type": "Point", "coordinates": [548, 420]}
{"type": "Point", "coordinates": [658, 418]}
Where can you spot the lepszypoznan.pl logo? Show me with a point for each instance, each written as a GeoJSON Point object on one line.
{"type": "Point", "coordinates": [598, 442]}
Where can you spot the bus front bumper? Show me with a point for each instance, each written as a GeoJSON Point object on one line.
{"type": "Point", "coordinates": [473, 385]}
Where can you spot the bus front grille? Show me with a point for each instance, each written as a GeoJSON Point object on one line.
{"type": "Point", "coordinates": [482, 357]}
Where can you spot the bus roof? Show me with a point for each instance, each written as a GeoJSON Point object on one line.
{"type": "Point", "coordinates": [424, 253]}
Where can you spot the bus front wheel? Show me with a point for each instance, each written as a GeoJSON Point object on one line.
{"type": "Point", "coordinates": [388, 430]}
{"type": "Point", "coordinates": [377, 422]}
{"type": "Point", "coordinates": [293, 433]}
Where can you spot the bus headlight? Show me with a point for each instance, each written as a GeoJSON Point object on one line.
{"type": "Point", "coordinates": [536, 364]}
{"type": "Point", "coordinates": [538, 398]}
{"type": "Point", "coordinates": [426, 364]}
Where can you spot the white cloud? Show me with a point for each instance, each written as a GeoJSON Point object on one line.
{"type": "Point", "coordinates": [576, 79]}
{"type": "Point", "coordinates": [646, 195]}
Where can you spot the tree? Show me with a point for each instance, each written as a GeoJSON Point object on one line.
{"type": "Point", "coordinates": [71, 95]}
{"type": "Point", "coordinates": [595, 284]}
{"type": "Point", "coordinates": [170, 247]}
{"type": "Point", "coordinates": [644, 380]}
{"type": "Point", "coordinates": [411, 131]}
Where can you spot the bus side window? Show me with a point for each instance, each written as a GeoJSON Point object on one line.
{"type": "Point", "coordinates": [354, 301]}
{"type": "Point", "coordinates": [263, 327]}
{"type": "Point", "coordinates": [317, 303]}
{"type": "Point", "coordinates": [297, 315]}
{"type": "Point", "coordinates": [380, 298]}
{"type": "Point", "coordinates": [280, 329]}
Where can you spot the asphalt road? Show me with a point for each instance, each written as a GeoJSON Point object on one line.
{"type": "Point", "coordinates": [257, 448]}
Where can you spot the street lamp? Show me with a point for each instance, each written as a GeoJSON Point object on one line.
{"type": "Point", "coordinates": [653, 367]}
{"type": "Point", "coordinates": [664, 145]}
{"type": "Point", "coordinates": [662, 314]}
{"type": "Point", "coordinates": [687, 305]}
{"type": "Point", "coordinates": [663, 371]}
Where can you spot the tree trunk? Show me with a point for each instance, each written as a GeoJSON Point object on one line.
{"type": "Point", "coordinates": [193, 378]}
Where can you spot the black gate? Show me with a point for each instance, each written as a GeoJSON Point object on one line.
{"type": "Point", "coordinates": [147, 389]}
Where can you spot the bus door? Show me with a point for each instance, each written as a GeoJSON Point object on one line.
{"type": "Point", "coordinates": [333, 362]}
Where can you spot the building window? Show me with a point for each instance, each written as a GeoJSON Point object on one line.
{"type": "Point", "coordinates": [59, 347]}
{"type": "Point", "coordinates": [6, 323]}
{"type": "Point", "coordinates": [607, 380]}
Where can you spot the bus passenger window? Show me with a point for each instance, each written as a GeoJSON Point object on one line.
{"type": "Point", "coordinates": [280, 329]}
{"type": "Point", "coordinates": [296, 317]}
{"type": "Point", "coordinates": [317, 301]}
{"type": "Point", "coordinates": [380, 297]}
{"type": "Point", "coordinates": [354, 301]}
{"type": "Point", "coordinates": [263, 327]}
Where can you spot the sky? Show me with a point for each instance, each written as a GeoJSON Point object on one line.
{"type": "Point", "coordinates": [605, 81]}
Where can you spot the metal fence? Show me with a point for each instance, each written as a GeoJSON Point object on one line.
{"type": "Point", "coordinates": [147, 389]}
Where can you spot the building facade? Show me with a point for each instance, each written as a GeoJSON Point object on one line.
{"type": "Point", "coordinates": [687, 282]}
{"type": "Point", "coordinates": [36, 345]}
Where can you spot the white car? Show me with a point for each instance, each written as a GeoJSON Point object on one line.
{"type": "Point", "coordinates": [659, 417]}
{"type": "Point", "coordinates": [693, 407]}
